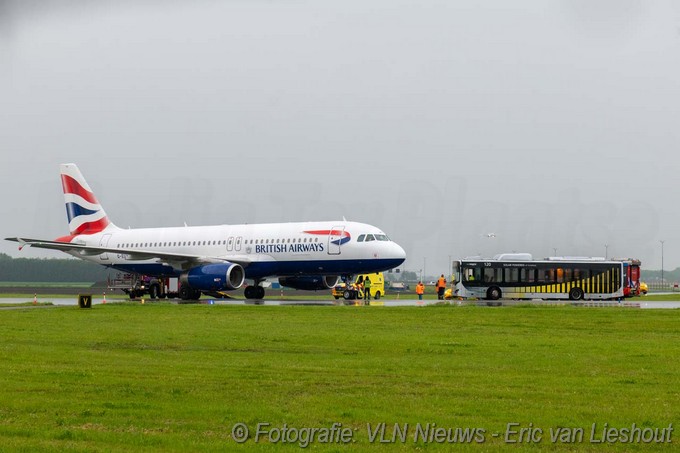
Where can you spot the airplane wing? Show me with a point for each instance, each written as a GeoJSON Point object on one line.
{"type": "Point", "coordinates": [177, 260]}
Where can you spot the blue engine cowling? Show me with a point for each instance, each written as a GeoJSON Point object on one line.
{"type": "Point", "coordinates": [310, 282]}
{"type": "Point", "coordinates": [215, 277]}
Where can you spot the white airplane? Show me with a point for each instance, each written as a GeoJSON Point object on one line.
{"type": "Point", "coordinates": [211, 259]}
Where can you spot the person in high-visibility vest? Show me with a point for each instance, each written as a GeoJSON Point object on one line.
{"type": "Point", "coordinates": [420, 290]}
{"type": "Point", "coordinates": [367, 290]}
{"type": "Point", "coordinates": [441, 287]}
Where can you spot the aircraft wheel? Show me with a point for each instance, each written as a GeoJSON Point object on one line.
{"type": "Point", "coordinates": [259, 293]}
{"type": "Point", "coordinates": [154, 290]}
{"type": "Point", "coordinates": [184, 292]}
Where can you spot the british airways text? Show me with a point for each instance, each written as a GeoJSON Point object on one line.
{"type": "Point", "coordinates": [289, 248]}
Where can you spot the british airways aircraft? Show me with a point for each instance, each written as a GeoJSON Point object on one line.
{"type": "Point", "coordinates": [211, 259]}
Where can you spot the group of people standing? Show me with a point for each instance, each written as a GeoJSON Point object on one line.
{"type": "Point", "coordinates": [440, 287]}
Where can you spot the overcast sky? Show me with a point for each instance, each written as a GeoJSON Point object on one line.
{"type": "Point", "coordinates": [553, 124]}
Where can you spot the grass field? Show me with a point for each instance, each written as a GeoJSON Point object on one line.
{"type": "Point", "coordinates": [162, 377]}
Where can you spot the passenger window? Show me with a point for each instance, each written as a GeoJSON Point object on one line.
{"type": "Point", "coordinates": [546, 276]}
{"type": "Point", "coordinates": [511, 275]}
{"type": "Point", "coordinates": [493, 275]}
{"type": "Point", "coordinates": [568, 276]}
{"type": "Point", "coordinates": [473, 274]}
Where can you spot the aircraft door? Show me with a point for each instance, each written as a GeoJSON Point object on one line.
{"type": "Point", "coordinates": [104, 242]}
{"type": "Point", "coordinates": [230, 244]}
{"type": "Point", "coordinates": [239, 240]}
{"type": "Point", "coordinates": [334, 240]}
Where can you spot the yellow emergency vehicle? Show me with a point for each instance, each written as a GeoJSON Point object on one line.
{"type": "Point", "coordinates": [355, 290]}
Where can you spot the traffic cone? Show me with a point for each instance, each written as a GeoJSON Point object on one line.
{"type": "Point", "coordinates": [35, 299]}
{"type": "Point", "coordinates": [104, 301]}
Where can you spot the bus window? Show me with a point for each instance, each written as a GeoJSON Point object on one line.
{"type": "Point", "coordinates": [473, 274]}
{"type": "Point", "coordinates": [546, 276]}
{"type": "Point", "coordinates": [560, 275]}
{"type": "Point", "coordinates": [528, 275]}
{"type": "Point", "coordinates": [511, 275]}
{"type": "Point", "coordinates": [580, 274]}
{"type": "Point", "coordinates": [568, 275]}
{"type": "Point", "coordinates": [493, 275]}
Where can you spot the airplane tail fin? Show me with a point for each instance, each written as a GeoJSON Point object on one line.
{"type": "Point", "coordinates": [85, 214]}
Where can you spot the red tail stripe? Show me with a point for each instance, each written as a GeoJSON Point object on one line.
{"type": "Point", "coordinates": [92, 227]}
{"type": "Point", "coordinates": [70, 185]}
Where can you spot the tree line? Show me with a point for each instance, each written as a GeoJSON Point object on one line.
{"type": "Point", "coordinates": [50, 270]}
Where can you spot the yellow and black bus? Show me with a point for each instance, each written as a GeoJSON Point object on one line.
{"type": "Point", "coordinates": [519, 276]}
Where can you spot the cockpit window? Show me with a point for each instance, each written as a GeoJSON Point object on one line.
{"type": "Point", "coordinates": [381, 237]}
{"type": "Point", "coordinates": [361, 238]}
{"type": "Point", "coordinates": [369, 237]}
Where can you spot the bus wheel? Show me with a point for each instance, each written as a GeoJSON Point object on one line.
{"type": "Point", "coordinates": [377, 295]}
{"type": "Point", "coordinates": [576, 294]}
{"type": "Point", "coordinates": [493, 293]}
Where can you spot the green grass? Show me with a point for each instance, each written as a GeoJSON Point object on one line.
{"type": "Point", "coordinates": [163, 377]}
{"type": "Point", "coordinates": [26, 304]}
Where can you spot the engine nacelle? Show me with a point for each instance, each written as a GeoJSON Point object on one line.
{"type": "Point", "coordinates": [215, 277]}
{"type": "Point", "coordinates": [310, 282]}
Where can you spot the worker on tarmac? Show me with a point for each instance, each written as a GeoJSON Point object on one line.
{"type": "Point", "coordinates": [367, 291]}
{"type": "Point", "coordinates": [420, 290]}
{"type": "Point", "coordinates": [441, 287]}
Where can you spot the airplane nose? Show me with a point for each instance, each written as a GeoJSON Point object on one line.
{"type": "Point", "coordinates": [399, 252]}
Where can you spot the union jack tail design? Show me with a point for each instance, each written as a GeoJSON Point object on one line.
{"type": "Point", "coordinates": [85, 214]}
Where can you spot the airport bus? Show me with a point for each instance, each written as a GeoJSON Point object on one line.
{"type": "Point", "coordinates": [519, 276]}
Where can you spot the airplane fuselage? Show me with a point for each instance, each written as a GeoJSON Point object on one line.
{"type": "Point", "coordinates": [282, 249]}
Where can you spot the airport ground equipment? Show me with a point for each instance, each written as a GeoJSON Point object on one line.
{"type": "Point", "coordinates": [353, 290]}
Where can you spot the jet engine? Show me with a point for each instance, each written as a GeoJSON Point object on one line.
{"type": "Point", "coordinates": [215, 277]}
{"type": "Point", "coordinates": [310, 282]}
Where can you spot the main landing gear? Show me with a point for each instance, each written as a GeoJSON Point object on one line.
{"type": "Point", "coordinates": [255, 291]}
